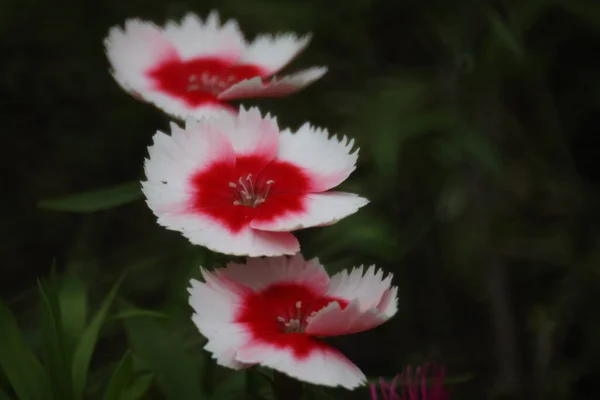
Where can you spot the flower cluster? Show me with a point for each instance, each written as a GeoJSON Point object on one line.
{"type": "Point", "coordinates": [233, 181]}
{"type": "Point", "coordinates": [414, 385]}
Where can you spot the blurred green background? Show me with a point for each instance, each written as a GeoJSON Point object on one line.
{"type": "Point", "coordinates": [478, 126]}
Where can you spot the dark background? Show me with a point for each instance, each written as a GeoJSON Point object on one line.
{"type": "Point", "coordinates": [478, 123]}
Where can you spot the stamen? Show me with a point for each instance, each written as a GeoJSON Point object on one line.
{"type": "Point", "coordinates": [298, 307]}
{"type": "Point", "coordinates": [250, 183]}
{"type": "Point", "coordinates": [244, 188]}
{"type": "Point", "coordinates": [249, 193]}
{"type": "Point", "coordinates": [208, 82]}
{"type": "Point", "coordinates": [268, 183]}
{"type": "Point", "coordinates": [293, 325]}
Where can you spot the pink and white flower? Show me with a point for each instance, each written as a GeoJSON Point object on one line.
{"type": "Point", "coordinates": [192, 68]}
{"type": "Point", "coordinates": [271, 311]}
{"type": "Point", "coordinates": [237, 185]}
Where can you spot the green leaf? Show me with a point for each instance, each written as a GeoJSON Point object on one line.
{"type": "Point", "coordinates": [96, 200]}
{"type": "Point", "coordinates": [480, 149]}
{"type": "Point", "coordinates": [56, 356]}
{"type": "Point", "coordinates": [527, 13]}
{"type": "Point", "coordinates": [138, 388]}
{"type": "Point", "coordinates": [177, 371]}
{"type": "Point", "coordinates": [73, 305]}
{"type": "Point", "coordinates": [403, 128]}
{"type": "Point", "coordinates": [259, 383]}
{"type": "Point", "coordinates": [316, 393]}
{"type": "Point", "coordinates": [3, 395]}
{"type": "Point", "coordinates": [503, 36]}
{"type": "Point", "coordinates": [232, 388]}
{"type": "Point", "coordinates": [375, 236]}
{"type": "Point", "coordinates": [22, 369]}
{"type": "Point", "coordinates": [120, 378]}
{"type": "Point", "coordinates": [138, 312]}
{"type": "Point", "coordinates": [87, 343]}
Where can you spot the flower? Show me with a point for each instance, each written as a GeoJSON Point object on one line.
{"type": "Point", "coordinates": [193, 68]}
{"type": "Point", "coordinates": [414, 387]}
{"type": "Point", "coordinates": [270, 311]}
{"type": "Point", "coordinates": [237, 185]}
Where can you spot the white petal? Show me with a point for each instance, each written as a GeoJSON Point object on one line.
{"type": "Point", "coordinates": [273, 53]}
{"type": "Point", "coordinates": [216, 322]}
{"type": "Point", "coordinates": [194, 38]}
{"type": "Point", "coordinates": [134, 50]}
{"type": "Point", "coordinates": [204, 231]}
{"type": "Point", "coordinates": [333, 321]}
{"type": "Point", "coordinates": [276, 87]}
{"type": "Point", "coordinates": [389, 302]}
{"type": "Point", "coordinates": [322, 366]}
{"type": "Point", "coordinates": [328, 161]}
{"type": "Point", "coordinates": [319, 209]}
{"type": "Point", "coordinates": [251, 134]}
{"type": "Point", "coordinates": [180, 109]}
{"type": "Point", "coordinates": [259, 273]}
{"type": "Point", "coordinates": [368, 289]}
{"type": "Point", "coordinates": [174, 159]}
{"type": "Point", "coordinates": [372, 301]}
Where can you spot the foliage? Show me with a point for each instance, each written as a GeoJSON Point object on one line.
{"type": "Point", "coordinates": [477, 126]}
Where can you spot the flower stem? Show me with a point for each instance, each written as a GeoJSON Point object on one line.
{"type": "Point", "coordinates": [286, 388]}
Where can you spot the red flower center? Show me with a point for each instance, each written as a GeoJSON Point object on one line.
{"type": "Point", "coordinates": [251, 190]}
{"type": "Point", "coordinates": [199, 80]}
{"type": "Point", "coordinates": [277, 315]}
